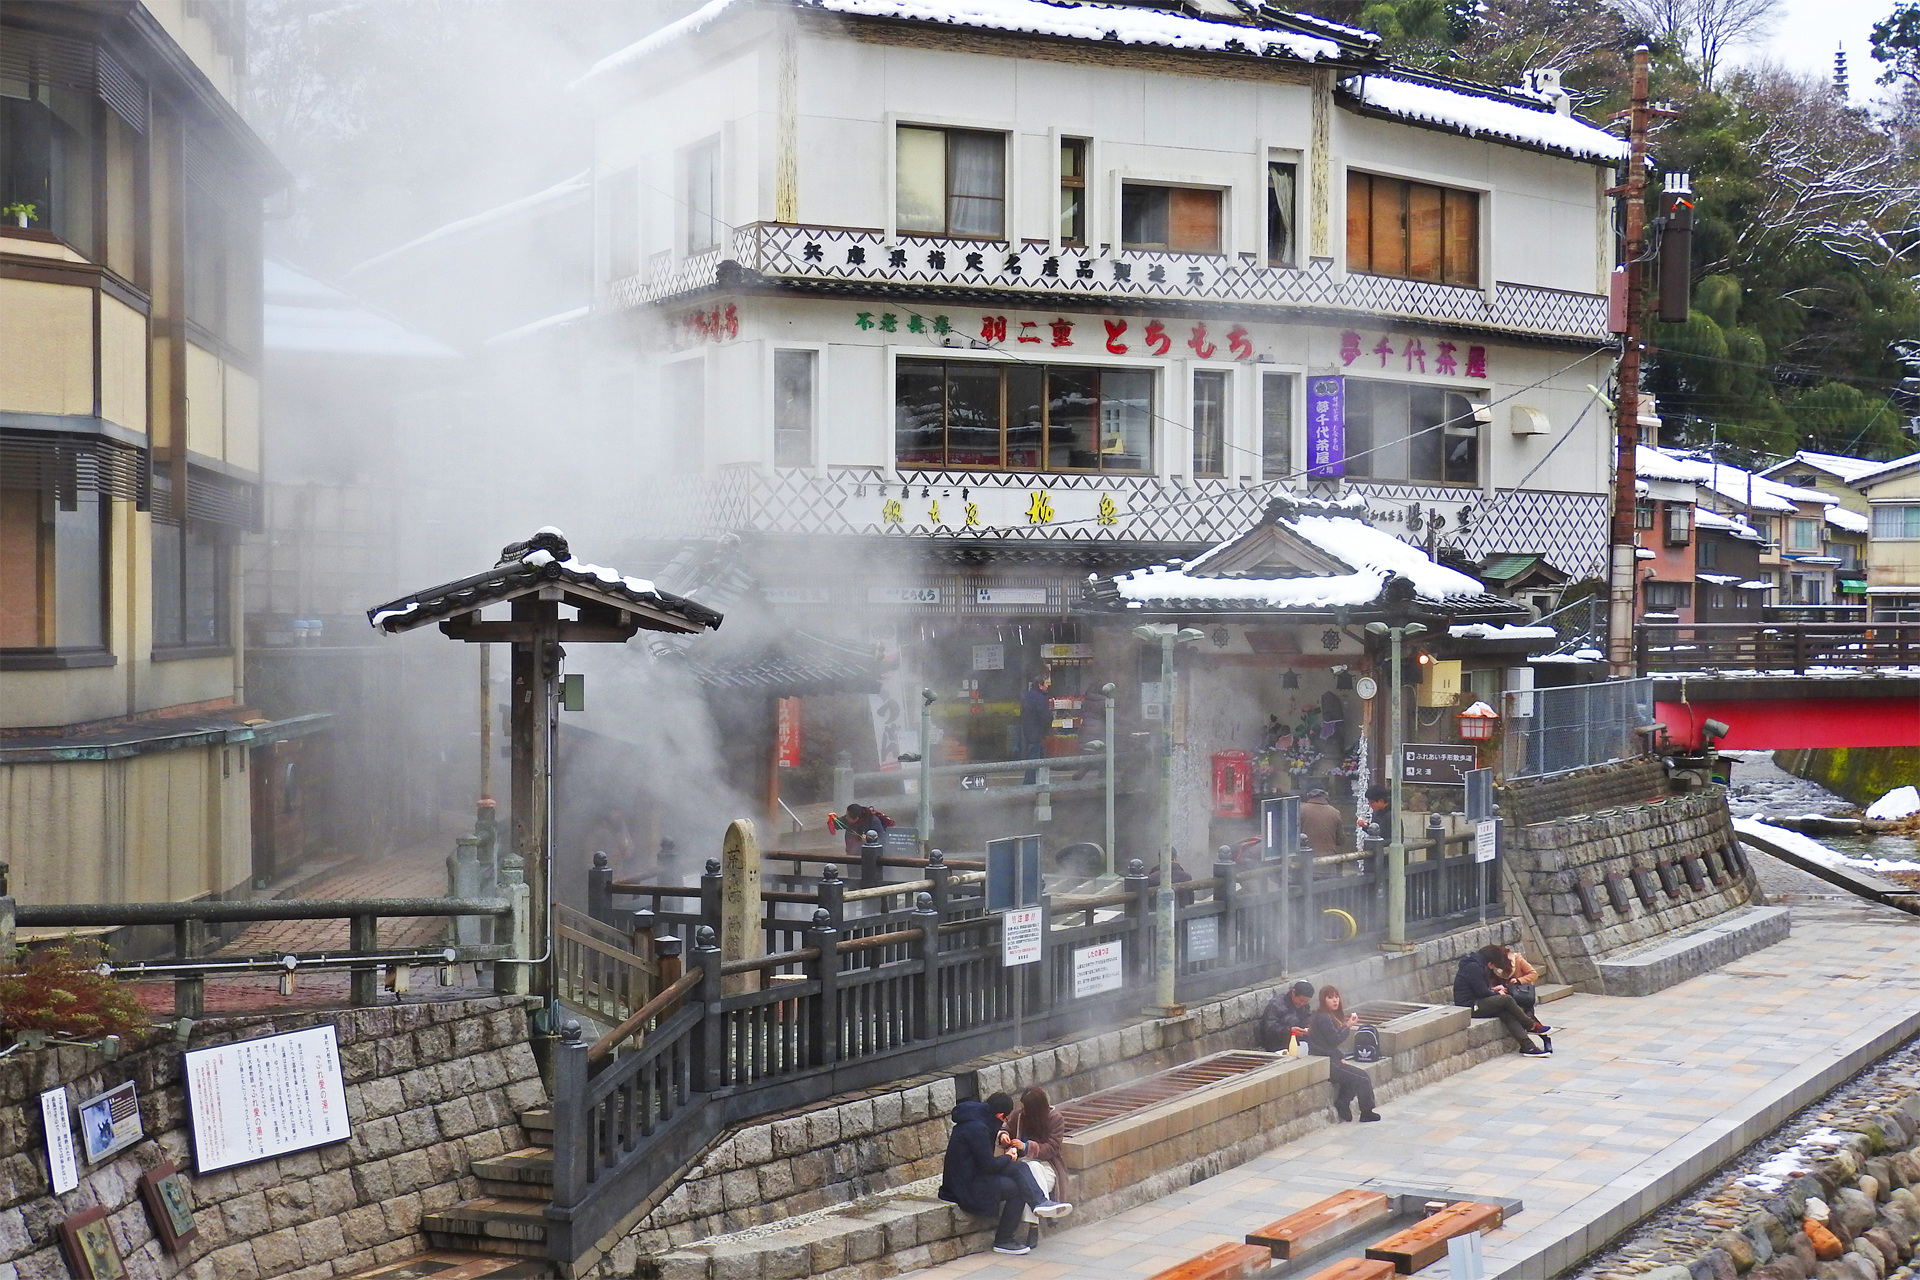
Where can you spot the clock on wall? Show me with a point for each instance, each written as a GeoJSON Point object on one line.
{"type": "Point", "coordinates": [1366, 688]}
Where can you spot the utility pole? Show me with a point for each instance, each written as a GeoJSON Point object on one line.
{"type": "Point", "coordinates": [1626, 410]}
{"type": "Point", "coordinates": [1396, 775]}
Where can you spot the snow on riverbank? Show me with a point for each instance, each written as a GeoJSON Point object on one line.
{"type": "Point", "coordinates": [1901, 802]}
{"type": "Point", "coordinates": [1811, 849]}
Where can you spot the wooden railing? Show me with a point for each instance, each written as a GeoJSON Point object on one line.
{"type": "Point", "coordinates": [1784, 647]}
{"type": "Point", "coordinates": [599, 970]}
{"type": "Point", "coordinates": [865, 986]}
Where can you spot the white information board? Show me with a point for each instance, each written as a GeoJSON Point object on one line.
{"type": "Point", "coordinates": [1203, 938]}
{"type": "Point", "coordinates": [254, 1099]}
{"type": "Point", "coordinates": [1096, 969]}
{"type": "Point", "coordinates": [1019, 936]}
{"type": "Point", "coordinates": [1486, 840]}
{"type": "Point", "coordinates": [60, 1157]}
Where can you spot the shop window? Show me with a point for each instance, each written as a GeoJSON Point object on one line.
{"type": "Point", "coordinates": [48, 137]}
{"type": "Point", "coordinates": [192, 585]}
{"type": "Point", "coordinates": [1176, 219]}
{"type": "Point", "coordinates": [620, 215]}
{"type": "Point", "coordinates": [1073, 191]}
{"type": "Point", "coordinates": [1412, 230]}
{"type": "Point", "coordinates": [703, 197]}
{"type": "Point", "coordinates": [1282, 212]}
{"type": "Point", "coordinates": [1276, 426]}
{"type": "Point", "coordinates": [53, 564]}
{"type": "Point", "coordinates": [1679, 524]}
{"type": "Point", "coordinates": [1402, 431]}
{"type": "Point", "coordinates": [975, 415]}
{"type": "Point", "coordinates": [793, 393]}
{"type": "Point", "coordinates": [1665, 597]}
{"type": "Point", "coordinates": [950, 182]}
{"type": "Point", "coordinates": [1210, 422]}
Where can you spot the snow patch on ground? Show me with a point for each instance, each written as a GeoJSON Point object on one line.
{"type": "Point", "coordinates": [1901, 802]}
{"type": "Point", "coordinates": [1772, 1173]}
{"type": "Point", "coordinates": [1812, 850]}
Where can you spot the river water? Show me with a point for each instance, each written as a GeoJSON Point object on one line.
{"type": "Point", "coordinates": [1762, 789]}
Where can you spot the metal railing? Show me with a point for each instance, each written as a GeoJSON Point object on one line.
{"type": "Point", "coordinates": [1795, 648]}
{"type": "Point", "coordinates": [860, 986]}
{"type": "Point", "coordinates": [1554, 730]}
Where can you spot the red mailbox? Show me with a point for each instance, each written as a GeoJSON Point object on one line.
{"type": "Point", "coordinates": [1232, 784]}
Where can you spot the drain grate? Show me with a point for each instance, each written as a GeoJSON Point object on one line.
{"type": "Point", "coordinates": [1375, 1012]}
{"type": "Point", "coordinates": [1111, 1104]}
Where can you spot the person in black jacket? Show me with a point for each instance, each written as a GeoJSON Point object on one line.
{"type": "Point", "coordinates": [1475, 988]}
{"type": "Point", "coordinates": [1331, 1026]}
{"type": "Point", "coordinates": [982, 1176]}
{"type": "Point", "coordinates": [1291, 1010]}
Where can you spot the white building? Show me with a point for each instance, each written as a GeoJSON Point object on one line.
{"type": "Point", "coordinates": [943, 307]}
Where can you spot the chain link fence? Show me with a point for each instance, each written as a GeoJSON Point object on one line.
{"type": "Point", "coordinates": [1554, 730]}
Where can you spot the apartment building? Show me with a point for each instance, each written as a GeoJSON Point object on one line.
{"type": "Point", "coordinates": [129, 447]}
{"type": "Point", "coordinates": [939, 311]}
{"type": "Point", "coordinates": [1892, 492]}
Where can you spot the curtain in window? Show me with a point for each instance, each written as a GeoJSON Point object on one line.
{"type": "Point", "coordinates": [1280, 215]}
{"type": "Point", "coordinates": [920, 180]}
{"type": "Point", "coordinates": [1209, 422]}
{"type": "Point", "coordinates": [978, 195]}
{"type": "Point", "coordinates": [1276, 426]}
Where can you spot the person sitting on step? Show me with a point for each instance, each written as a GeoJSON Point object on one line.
{"type": "Point", "coordinates": [1476, 988]}
{"type": "Point", "coordinates": [1287, 1014]}
{"type": "Point", "coordinates": [1331, 1026]}
{"type": "Point", "coordinates": [1037, 1134]}
{"type": "Point", "coordinates": [1519, 977]}
{"type": "Point", "coordinates": [982, 1176]}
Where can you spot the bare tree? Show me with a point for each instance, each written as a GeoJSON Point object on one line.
{"type": "Point", "coordinates": [1707, 29]}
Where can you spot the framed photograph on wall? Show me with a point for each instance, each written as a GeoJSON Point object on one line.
{"type": "Point", "coordinates": [110, 1122]}
{"type": "Point", "coordinates": [170, 1205]}
{"type": "Point", "coordinates": [89, 1246]}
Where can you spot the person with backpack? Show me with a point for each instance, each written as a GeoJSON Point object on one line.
{"type": "Point", "coordinates": [1329, 1029]}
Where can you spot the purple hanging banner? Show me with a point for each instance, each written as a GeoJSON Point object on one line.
{"type": "Point", "coordinates": [1326, 426]}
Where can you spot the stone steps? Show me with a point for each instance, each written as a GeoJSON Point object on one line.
{"type": "Point", "coordinates": [509, 1217]}
{"type": "Point", "coordinates": [1674, 960]}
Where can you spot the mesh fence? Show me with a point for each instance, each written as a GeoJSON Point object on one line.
{"type": "Point", "coordinates": [1554, 730]}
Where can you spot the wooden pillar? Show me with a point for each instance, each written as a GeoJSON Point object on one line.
{"type": "Point", "coordinates": [742, 934]}
{"type": "Point", "coordinates": [534, 722]}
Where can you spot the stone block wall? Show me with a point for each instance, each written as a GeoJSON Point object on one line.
{"type": "Point", "coordinates": [429, 1088]}
{"type": "Point", "coordinates": [1603, 786]}
{"type": "Point", "coordinates": [865, 1144]}
{"type": "Point", "coordinates": [1586, 878]}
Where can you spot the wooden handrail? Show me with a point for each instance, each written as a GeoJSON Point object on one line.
{"type": "Point", "coordinates": [886, 890]}
{"type": "Point", "coordinates": [754, 964]}
{"type": "Point", "coordinates": [644, 1014]}
{"type": "Point", "coordinates": [898, 937]}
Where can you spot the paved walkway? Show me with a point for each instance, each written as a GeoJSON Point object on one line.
{"type": "Point", "coordinates": [1643, 1097]}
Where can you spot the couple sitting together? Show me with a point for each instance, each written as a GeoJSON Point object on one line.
{"type": "Point", "coordinates": [1293, 1014]}
{"type": "Point", "coordinates": [1497, 982]}
{"type": "Point", "coordinates": [1006, 1162]}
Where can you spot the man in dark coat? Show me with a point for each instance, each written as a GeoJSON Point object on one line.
{"type": "Point", "coordinates": [1291, 1010]}
{"type": "Point", "coordinates": [982, 1176]}
{"type": "Point", "coordinates": [1475, 988]}
{"type": "Point", "coordinates": [1320, 822]}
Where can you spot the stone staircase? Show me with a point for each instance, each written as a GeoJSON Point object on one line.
{"type": "Point", "coordinates": [509, 1217]}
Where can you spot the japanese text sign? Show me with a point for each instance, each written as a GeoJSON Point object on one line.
{"type": "Point", "coordinates": [1326, 426]}
{"type": "Point", "coordinates": [254, 1099]}
{"type": "Point", "coordinates": [1020, 937]}
{"type": "Point", "coordinates": [1097, 968]}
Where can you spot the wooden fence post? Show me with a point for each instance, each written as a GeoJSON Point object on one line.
{"type": "Point", "coordinates": [190, 993]}
{"type": "Point", "coordinates": [823, 1034]}
{"type": "Point", "coordinates": [363, 935]}
{"type": "Point", "coordinates": [871, 847]}
{"type": "Point", "coordinates": [1224, 868]}
{"type": "Point", "coordinates": [926, 1013]}
{"type": "Point", "coordinates": [710, 887]}
{"type": "Point", "coordinates": [573, 1153]}
{"type": "Point", "coordinates": [942, 875]}
{"type": "Point", "coordinates": [600, 889]}
{"type": "Point", "coordinates": [709, 1039]}
{"type": "Point", "coordinates": [832, 895]}
{"type": "Point", "coordinates": [672, 965]}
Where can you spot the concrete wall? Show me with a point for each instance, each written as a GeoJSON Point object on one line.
{"type": "Point", "coordinates": [1861, 774]}
{"type": "Point", "coordinates": [430, 1087]}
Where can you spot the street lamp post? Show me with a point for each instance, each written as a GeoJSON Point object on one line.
{"type": "Point", "coordinates": [1165, 950]}
{"type": "Point", "coordinates": [927, 699]}
{"type": "Point", "coordinates": [1106, 693]}
{"type": "Point", "coordinates": [1396, 768]}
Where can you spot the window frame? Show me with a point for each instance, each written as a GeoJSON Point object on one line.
{"type": "Point", "coordinates": [1910, 519]}
{"type": "Point", "coordinates": [167, 649]}
{"type": "Point", "coordinates": [1004, 132]}
{"type": "Point", "coordinates": [1290, 160]}
{"type": "Point", "coordinates": [1222, 376]}
{"type": "Point", "coordinates": [1682, 593]}
{"type": "Point", "coordinates": [1677, 524]}
{"type": "Point", "coordinates": [1797, 525]}
{"type": "Point", "coordinates": [1080, 183]}
{"type": "Point", "coordinates": [1222, 202]}
{"type": "Point", "coordinates": [1477, 240]}
{"type": "Point", "coordinates": [54, 649]}
{"type": "Point", "coordinates": [1295, 380]}
{"type": "Point", "coordinates": [620, 216]}
{"type": "Point", "coordinates": [1150, 465]}
{"type": "Point", "coordinates": [817, 352]}
{"type": "Point", "coordinates": [716, 189]}
{"type": "Point", "coordinates": [1375, 447]}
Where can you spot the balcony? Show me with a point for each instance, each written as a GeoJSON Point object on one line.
{"type": "Point", "coordinates": [826, 257]}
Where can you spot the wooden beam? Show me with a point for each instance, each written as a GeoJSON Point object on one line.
{"type": "Point", "coordinates": [521, 633]}
{"type": "Point", "coordinates": [1222, 1262]}
{"type": "Point", "coordinates": [1316, 1224]}
{"type": "Point", "coordinates": [1356, 1269]}
{"type": "Point", "coordinates": [1425, 1242]}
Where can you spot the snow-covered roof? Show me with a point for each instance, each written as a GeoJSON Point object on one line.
{"type": "Point", "coordinates": [1477, 115]}
{"type": "Point", "coordinates": [302, 315]}
{"type": "Point", "coordinates": [1885, 470]}
{"type": "Point", "coordinates": [1705, 519]}
{"type": "Point", "coordinates": [577, 189]}
{"type": "Point", "coordinates": [1505, 631]}
{"type": "Point", "coordinates": [1719, 579]}
{"type": "Point", "coordinates": [1367, 567]}
{"type": "Point", "coordinates": [1121, 24]}
{"type": "Point", "coordinates": [1734, 483]}
{"type": "Point", "coordinates": [1847, 521]}
{"type": "Point", "coordinates": [1834, 464]}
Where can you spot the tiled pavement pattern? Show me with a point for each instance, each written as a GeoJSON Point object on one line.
{"type": "Point", "coordinates": [1636, 1088]}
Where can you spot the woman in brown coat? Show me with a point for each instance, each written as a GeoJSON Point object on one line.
{"type": "Point", "coordinates": [1037, 1132]}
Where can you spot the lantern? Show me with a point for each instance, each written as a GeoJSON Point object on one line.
{"type": "Point", "coordinates": [1477, 722]}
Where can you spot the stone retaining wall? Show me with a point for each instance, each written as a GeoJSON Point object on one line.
{"type": "Point", "coordinates": [429, 1088]}
{"type": "Point", "coordinates": [1595, 882]}
{"type": "Point", "coordinates": [1603, 786]}
{"type": "Point", "coordinates": [864, 1144]}
{"type": "Point", "coordinates": [1756, 1227]}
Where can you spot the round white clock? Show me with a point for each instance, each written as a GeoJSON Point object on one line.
{"type": "Point", "coordinates": [1366, 688]}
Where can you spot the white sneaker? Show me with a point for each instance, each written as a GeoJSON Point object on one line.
{"type": "Point", "coordinates": [1053, 1209]}
{"type": "Point", "coordinates": [1012, 1246]}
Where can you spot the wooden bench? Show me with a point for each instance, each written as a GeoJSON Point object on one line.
{"type": "Point", "coordinates": [1297, 1233]}
{"type": "Point", "coordinates": [1425, 1242]}
{"type": "Point", "coordinates": [1222, 1262]}
{"type": "Point", "coordinates": [1356, 1269]}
